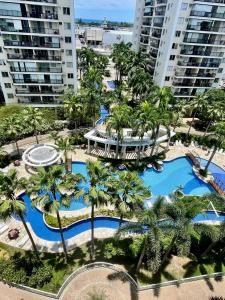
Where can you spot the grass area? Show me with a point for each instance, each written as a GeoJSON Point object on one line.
{"type": "Point", "coordinates": [176, 268]}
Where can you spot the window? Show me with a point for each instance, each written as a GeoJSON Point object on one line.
{"type": "Point", "coordinates": [7, 85]}
{"type": "Point", "coordinates": [172, 57]}
{"type": "Point", "coordinates": [67, 26]}
{"type": "Point", "coordinates": [177, 34]}
{"type": "Point", "coordinates": [174, 46]}
{"type": "Point", "coordinates": [5, 74]}
{"type": "Point", "coordinates": [66, 10]}
{"type": "Point", "coordinates": [2, 62]}
{"type": "Point", "coordinates": [67, 39]}
{"type": "Point", "coordinates": [0, 49]}
{"type": "Point", "coordinates": [69, 52]}
{"type": "Point", "coordinates": [69, 64]}
{"type": "Point", "coordinates": [167, 78]}
{"type": "Point", "coordinates": [220, 70]}
{"type": "Point", "coordinates": [184, 6]}
{"type": "Point", "coordinates": [70, 86]}
{"type": "Point", "coordinates": [170, 68]}
{"type": "Point", "coordinates": [70, 75]}
{"type": "Point", "coordinates": [10, 96]}
{"type": "Point", "coordinates": [216, 80]}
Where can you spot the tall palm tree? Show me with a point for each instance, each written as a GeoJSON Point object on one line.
{"type": "Point", "coordinates": [119, 119]}
{"type": "Point", "coordinates": [148, 226]}
{"type": "Point", "coordinates": [218, 135]}
{"type": "Point", "coordinates": [97, 194]}
{"type": "Point", "coordinates": [73, 107]}
{"type": "Point", "coordinates": [85, 58]}
{"type": "Point", "coordinates": [33, 117]}
{"type": "Point", "coordinates": [13, 129]}
{"type": "Point", "coordinates": [128, 192]}
{"type": "Point", "coordinates": [3, 154]}
{"type": "Point", "coordinates": [197, 105]}
{"type": "Point", "coordinates": [54, 182]}
{"type": "Point", "coordinates": [10, 203]}
{"type": "Point", "coordinates": [214, 113]}
{"type": "Point", "coordinates": [64, 144]}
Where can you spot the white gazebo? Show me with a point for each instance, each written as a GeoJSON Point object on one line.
{"type": "Point", "coordinates": [42, 155]}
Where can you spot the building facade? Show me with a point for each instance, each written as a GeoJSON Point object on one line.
{"type": "Point", "coordinates": [185, 40]}
{"type": "Point", "coordinates": [37, 50]}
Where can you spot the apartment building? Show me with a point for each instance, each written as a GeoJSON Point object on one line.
{"type": "Point", "coordinates": [185, 40]}
{"type": "Point", "coordinates": [37, 51]}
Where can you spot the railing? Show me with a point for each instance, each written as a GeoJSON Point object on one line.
{"type": "Point", "coordinates": [197, 64]}
{"type": "Point", "coordinates": [204, 41]}
{"type": "Point", "coordinates": [45, 69]}
{"type": "Point", "coordinates": [31, 44]}
{"type": "Point", "coordinates": [195, 75]}
{"type": "Point", "coordinates": [205, 14]}
{"type": "Point", "coordinates": [33, 57]}
{"type": "Point", "coordinates": [157, 24]}
{"type": "Point", "coordinates": [149, 3]}
{"type": "Point", "coordinates": [45, 15]}
{"type": "Point", "coordinates": [30, 30]}
{"type": "Point", "coordinates": [10, 13]}
{"type": "Point", "coordinates": [192, 84]}
{"type": "Point", "coordinates": [148, 14]}
{"type": "Point", "coordinates": [43, 1]}
{"type": "Point", "coordinates": [212, 1]}
{"type": "Point", "coordinates": [205, 28]}
{"type": "Point", "coordinates": [22, 92]}
{"type": "Point", "coordinates": [38, 81]}
{"type": "Point", "coordinates": [201, 53]}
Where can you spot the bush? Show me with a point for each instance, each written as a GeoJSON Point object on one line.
{"type": "Point", "coordinates": [40, 276]}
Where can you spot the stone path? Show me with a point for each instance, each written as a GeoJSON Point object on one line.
{"type": "Point", "coordinates": [110, 282]}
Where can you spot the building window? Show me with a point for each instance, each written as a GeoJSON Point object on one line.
{"type": "Point", "coordinates": [10, 96]}
{"type": "Point", "coordinates": [66, 10]}
{"type": "Point", "coordinates": [69, 64]}
{"type": "Point", "coordinates": [71, 86]}
{"type": "Point", "coordinates": [172, 57]}
{"type": "Point", "coordinates": [0, 49]}
{"type": "Point", "coordinates": [8, 85]}
{"type": "Point", "coordinates": [220, 70]}
{"type": "Point", "coordinates": [67, 26]}
{"type": "Point", "coordinates": [5, 74]}
{"type": "Point", "coordinates": [67, 39]}
{"type": "Point", "coordinates": [167, 78]}
{"type": "Point", "coordinates": [69, 52]}
{"type": "Point", "coordinates": [2, 62]}
{"type": "Point", "coordinates": [177, 34]}
{"type": "Point", "coordinates": [174, 46]}
{"type": "Point", "coordinates": [70, 75]}
{"type": "Point", "coordinates": [184, 6]}
{"type": "Point", "coordinates": [216, 80]}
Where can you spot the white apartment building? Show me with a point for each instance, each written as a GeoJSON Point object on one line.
{"type": "Point", "coordinates": [37, 51]}
{"type": "Point", "coordinates": [185, 40]}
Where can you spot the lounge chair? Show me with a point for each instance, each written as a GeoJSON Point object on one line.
{"type": "Point", "coordinates": [23, 241]}
{"type": "Point", "coordinates": [4, 228]}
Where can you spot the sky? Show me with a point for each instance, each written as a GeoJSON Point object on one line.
{"type": "Point", "coordinates": [113, 10]}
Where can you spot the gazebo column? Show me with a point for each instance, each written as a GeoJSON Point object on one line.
{"type": "Point", "coordinates": [89, 150]}
{"type": "Point", "coordinates": [106, 145]}
{"type": "Point", "coordinates": [124, 151]}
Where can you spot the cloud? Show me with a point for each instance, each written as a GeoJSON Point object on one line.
{"type": "Point", "coordinates": [104, 4]}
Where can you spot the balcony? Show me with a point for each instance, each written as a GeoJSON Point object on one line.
{"type": "Point", "coordinates": [159, 2]}
{"type": "Point", "coordinates": [198, 64]}
{"type": "Point", "coordinates": [33, 57]}
{"type": "Point", "coordinates": [204, 41]}
{"type": "Point", "coordinates": [37, 81]}
{"type": "Point", "coordinates": [212, 1]}
{"type": "Point", "coordinates": [40, 69]}
{"type": "Point", "coordinates": [44, 15]}
{"type": "Point", "coordinates": [33, 44]}
{"type": "Point", "coordinates": [192, 75]}
{"type": "Point", "coordinates": [206, 28]}
{"type": "Point", "coordinates": [38, 92]}
{"type": "Point", "coordinates": [201, 53]}
{"type": "Point", "coordinates": [145, 23]}
{"type": "Point", "coordinates": [30, 30]}
{"type": "Point", "coordinates": [193, 84]}
{"type": "Point", "coordinates": [10, 13]}
{"type": "Point", "coordinates": [43, 1]}
{"type": "Point", "coordinates": [149, 3]}
{"type": "Point", "coordinates": [156, 24]}
{"type": "Point", "coordinates": [205, 14]}
{"type": "Point", "coordinates": [148, 14]}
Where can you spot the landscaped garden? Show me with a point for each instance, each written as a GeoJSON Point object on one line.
{"type": "Point", "coordinates": [159, 225]}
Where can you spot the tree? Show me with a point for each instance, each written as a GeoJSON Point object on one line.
{"type": "Point", "coordinates": [97, 194]}
{"type": "Point", "coordinates": [218, 135]}
{"type": "Point", "coordinates": [33, 117]}
{"type": "Point", "coordinates": [148, 226]}
{"type": "Point", "coordinates": [215, 113]}
{"type": "Point", "coordinates": [127, 191]}
{"type": "Point", "coordinates": [13, 129]}
{"type": "Point", "coordinates": [64, 144]}
{"type": "Point", "coordinates": [10, 203]}
{"type": "Point", "coordinates": [85, 57]}
{"type": "Point", "coordinates": [54, 182]}
{"type": "Point", "coordinates": [119, 119]}
{"type": "Point", "coordinates": [73, 107]}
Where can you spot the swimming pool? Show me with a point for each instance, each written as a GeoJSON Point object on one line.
{"type": "Point", "coordinates": [111, 84]}
{"type": "Point", "coordinates": [103, 114]}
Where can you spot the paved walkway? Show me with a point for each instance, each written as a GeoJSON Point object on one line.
{"type": "Point", "coordinates": [116, 287]}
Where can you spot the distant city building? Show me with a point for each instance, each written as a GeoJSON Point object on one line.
{"type": "Point", "coordinates": [185, 40]}
{"type": "Point", "coordinates": [37, 50]}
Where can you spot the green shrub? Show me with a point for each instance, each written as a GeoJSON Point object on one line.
{"type": "Point", "coordinates": [40, 276]}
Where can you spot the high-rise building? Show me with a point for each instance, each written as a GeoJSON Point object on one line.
{"type": "Point", "coordinates": [185, 40]}
{"type": "Point", "coordinates": [37, 50]}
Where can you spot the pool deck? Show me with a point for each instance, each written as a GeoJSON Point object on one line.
{"type": "Point", "coordinates": [81, 155]}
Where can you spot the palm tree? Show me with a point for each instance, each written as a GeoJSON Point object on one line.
{"type": "Point", "coordinates": [3, 155]}
{"type": "Point", "coordinates": [73, 107]}
{"type": "Point", "coordinates": [53, 181]}
{"type": "Point", "coordinates": [179, 215]}
{"type": "Point", "coordinates": [218, 135]}
{"type": "Point", "coordinates": [64, 144]}
{"type": "Point", "coordinates": [33, 117]}
{"type": "Point", "coordinates": [127, 191]}
{"type": "Point", "coordinates": [197, 105]}
{"type": "Point", "coordinates": [13, 129]}
{"type": "Point", "coordinates": [119, 118]}
{"type": "Point", "coordinates": [10, 203]}
{"type": "Point", "coordinates": [97, 194]}
{"type": "Point", "coordinates": [214, 113]}
{"type": "Point", "coordinates": [148, 226]}
{"type": "Point", "coordinates": [85, 58]}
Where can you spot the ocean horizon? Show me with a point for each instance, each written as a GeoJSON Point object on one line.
{"type": "Point", "coordinates": [97, 21]}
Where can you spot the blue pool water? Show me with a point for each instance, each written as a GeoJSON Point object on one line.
{"type": "Point", "coordinates": [177, 172]}
{"type": "Point", "coordinates": [103, 114]}
{"type": "Point", "coordinates": [111, 84]}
